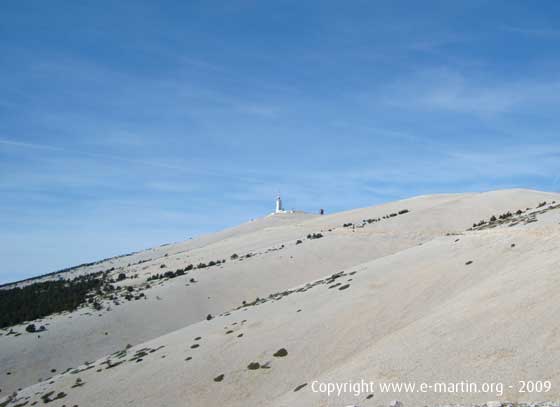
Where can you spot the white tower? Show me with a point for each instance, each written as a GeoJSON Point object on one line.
{"type": "Point", "coordinates": [279, 208]}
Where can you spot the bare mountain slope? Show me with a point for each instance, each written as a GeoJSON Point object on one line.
{"type": "Point", "coordinates": [399, 285]}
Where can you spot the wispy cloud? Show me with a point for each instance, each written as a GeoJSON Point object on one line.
{"type": "Point", "coordinates": [32, 146]}
{"type": "Point", "coordinates": [175, 165]}
{"type": "Point", "coordinates": [534, 31]}
{"type": "Point", "coordinates": [445, 90]}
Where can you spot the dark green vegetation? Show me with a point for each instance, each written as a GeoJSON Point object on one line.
{"type": "Point", "coordinates": [38, 300]}
{"type": "Point", "coordinates": [181, 272]}
{"type": "Point", "coordinates": [373, 220]}
{"type": "Point", "coordinates": [301, 386]}
{"type": "Point", "coordinates": [31, 328]}
{"type": "Point", "coordinates": [47, 398]}
{"type": "Point", "coordinates": [73, 268]}
{"type": "Point", "coordinates": [314, 236]}
{"type": "Point", "coordinates": [513, 218]}
{"type": "Point", "coordinates": [170, 274]}
{"type": "Point", "coordinates": [279, 295]}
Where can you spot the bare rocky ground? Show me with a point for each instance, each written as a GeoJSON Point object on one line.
{"type": "Point", "coordinates": [397, 403]}
{"type": "Point", "coordinates": [457, 287]}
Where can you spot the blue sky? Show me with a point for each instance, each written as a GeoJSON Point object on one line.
{"type": "Point", "coordinates": [128, 124]}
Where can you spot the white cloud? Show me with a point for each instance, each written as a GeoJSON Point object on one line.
{"type": "Point", "coordinates": [539, 32]}
{"type": "Point", "coordinates": [444, 90]}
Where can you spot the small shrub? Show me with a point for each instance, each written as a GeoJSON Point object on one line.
{"type": "Point", "coordinates": [315, 236]}
{"type": "Point", "coordinates": [299, 241]}
{"type": "Point", "coordinates": [31, 328]}
{"type": "Point", "coordinates": [121, 277]}
{"type": "Point", "coordinates": [254, 366]}
{"type": "Point", "coordinates": [301, 386]}
{"type": "Point", "coordinates": [280, 353]}
{"type": "Point", "coordinates": [234, 256]}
